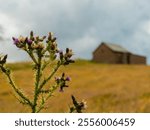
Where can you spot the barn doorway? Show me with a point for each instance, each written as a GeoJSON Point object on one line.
{"type": "Point", "coordinates": [128, 58]}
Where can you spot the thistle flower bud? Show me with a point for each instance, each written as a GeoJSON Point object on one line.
{"type": "Point", "coordinates": [43, 37]}
{"type": "Point", "coordinates": [83, 104]}
{"type": "Point", "coordinates": [34, 46]}
{"type": "Point", "coordinates": [62, 82]}
{"type": "Point", "coordinates": [31, 34]}
{"type": "Point", "coordinates": [78, 106]}
{"type": "Point", "coordinates": [61, 55]}
{"type": "Point", "coordinates": [40, 45]}
{"type": "Point", "coordinates": [57, 50]}
{"type": "Point", "coordinates": [16, 41]}
{"type": "Point", "coordinates": [70, 53]}
{"type": "Point", "coordinates": [54, 39]}
{"type": "Point", "coordinates": [32, 38]}
{"type": "Point", "coordinates": [3, 60]}
{"type": "Point", "coordinates": [67, 50]}
{"type": "Point", "coordinates": [21, 39]}
{"type": "Point", "coordinates": [68, 78]}
{"type": "Point", "coordinates": [29, 41]}
{"type": "Point", "coordinates": [50, 36]}
{"type": "Point", "coordinates": [52, 47]}
{"type": "Point", "coordinates": [37, 38]}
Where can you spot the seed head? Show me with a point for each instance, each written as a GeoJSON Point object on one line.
{"type": "Point", "coordinates": [21, 39]}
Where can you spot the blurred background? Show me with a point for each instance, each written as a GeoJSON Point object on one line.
{"type": "Point", "coordinates": [80, 25]}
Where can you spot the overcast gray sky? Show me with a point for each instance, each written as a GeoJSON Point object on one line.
{"type": "Point", "coordinates": [78, 24]}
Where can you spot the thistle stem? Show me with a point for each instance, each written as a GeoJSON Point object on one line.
{"type": "Point", "coordinates": [32, 57]}
{"type": "Point", "coordinates": [37, 78]}
{"type": "Point", "coordinates": [49, 77]}
{"type": "Point", "coordinates": [43, 102]}
{"type": "Point", "coordinates": [17, 90]}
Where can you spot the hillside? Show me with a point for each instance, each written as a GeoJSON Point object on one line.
{"type": "Point", "coordinates": [106, 88]}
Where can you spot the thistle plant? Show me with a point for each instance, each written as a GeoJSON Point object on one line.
{"type": "Point", "coordinates": [77, 106]}
{"type": "Point", "coordinates": [43, 52]}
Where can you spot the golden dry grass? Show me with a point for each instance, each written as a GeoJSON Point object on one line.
{"type": "Point", "coordinates": [106, 88]}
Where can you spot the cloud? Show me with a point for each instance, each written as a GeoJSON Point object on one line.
{"type": "Point", "coordinates": [1, 38]}
{"type": "Point", "coordinates": [82, 46]}
{"type": "Point", "coordinates": [81, 25]}
{"type": "Point", "coordinates": [9, 28]}
{"type": "Point", "coordinates": [1, 33]}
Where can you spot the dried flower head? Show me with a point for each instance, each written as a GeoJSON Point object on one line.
{"type": "Point", "coordinates": [21, 39]}
{"type": "Point", "coordinates": [77, 106]}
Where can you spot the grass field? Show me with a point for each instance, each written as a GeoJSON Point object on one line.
{"type": "Point", "coordinates": [106, 88]}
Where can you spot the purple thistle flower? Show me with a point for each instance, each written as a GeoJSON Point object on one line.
{"type": "Point", "coordinates": [68, 78]}
{"type": "Point", "coordinates": [61, 54]}
{"type": "Point", "coordinates": [29, 41]}
{"type": "Point", "coordinates": [16, 41]}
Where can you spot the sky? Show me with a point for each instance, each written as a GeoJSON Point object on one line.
{"type": "Point", "coordinates": [78, 24]}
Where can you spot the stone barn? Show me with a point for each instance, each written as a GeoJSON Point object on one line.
{"type": "Point", "coordinates": [116, 54]}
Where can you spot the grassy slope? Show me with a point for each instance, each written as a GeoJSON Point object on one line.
{"type": "Point", "coordinates": [106, 88]}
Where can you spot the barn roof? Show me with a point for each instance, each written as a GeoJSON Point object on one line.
{"type": "Point", "coordinates": [116, 48]}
